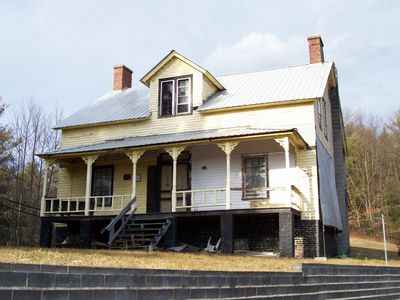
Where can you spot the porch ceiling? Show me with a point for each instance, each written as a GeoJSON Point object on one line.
{"type": "Point", "coordinates": [186, 138]}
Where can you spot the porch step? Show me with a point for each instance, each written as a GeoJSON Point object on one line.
{"type": "Point", "coordinates": [142, 233]}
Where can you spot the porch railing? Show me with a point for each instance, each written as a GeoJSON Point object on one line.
{"type": "Point", "coordinates": [122, 219]}
{"type": "Point", "coordinates": [210, 198]}
{"type": "Point", "coordinates": [201, 198]}
{"type": "Point", "coordinates": [76, 205]}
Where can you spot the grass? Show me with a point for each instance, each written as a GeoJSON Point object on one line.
{"type": "Point", "coordinates": [163, 260]}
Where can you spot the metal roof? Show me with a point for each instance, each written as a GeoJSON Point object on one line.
{"type": "Point", "coordinates": [242, 89]}
{"type": "Point", "coordinates": [114, 106]}
{"type": "Point", "coordinates": [286, 84]}
{"type": "Point", "coordinates": [162, 139]}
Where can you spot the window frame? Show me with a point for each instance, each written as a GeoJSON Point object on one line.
{"type": "Point", "coordinates": [174, 111]}
{"type": "Point", "coordinates": [325, 122]}
{"type": "Point", "coordinates": [266, 183]}
{"type": "Point", "coordinates": [319, 112]}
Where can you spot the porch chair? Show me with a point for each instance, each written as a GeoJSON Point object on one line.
{"type": "Point", "coordinates": [212, 248]}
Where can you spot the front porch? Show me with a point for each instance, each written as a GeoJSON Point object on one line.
{"type": "Point", "coordinates": [214, 181]}
{"type": "Point", "coordinates": [273, 230]}
{"type": "Point", "coordinates": [241, 173]}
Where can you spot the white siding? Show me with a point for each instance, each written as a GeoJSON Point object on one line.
{"type": "Point", "coordinates": [209, 169]}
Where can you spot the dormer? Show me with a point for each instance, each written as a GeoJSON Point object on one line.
{"type": "Point", "coordinates": [178, 86]}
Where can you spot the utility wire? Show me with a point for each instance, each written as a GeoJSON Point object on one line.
{"type": "Point", "coordinates": [22, 204]}
{"type": "Point", "coordinates": [21, 211]}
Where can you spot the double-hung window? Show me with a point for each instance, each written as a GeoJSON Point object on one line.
{"type": "Point", "coordinates": [175, 96]}
{"type": "Point", "coordinates": [255, 177]}
{"type": "Point", "coordinates": [322, 116]}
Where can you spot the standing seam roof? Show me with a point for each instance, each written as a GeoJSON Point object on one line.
{"type": "Point", "coordinates": [243, 89]}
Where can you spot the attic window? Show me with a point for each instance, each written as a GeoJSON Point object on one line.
{"type": "Point", "coordinates": [175, 96]}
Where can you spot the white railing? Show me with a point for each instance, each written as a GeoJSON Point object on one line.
{"type": "Point", "coordinates": [76, 205]}
{"type": "Point", "coordinates": [201, 198]}
{"type": "Point", "coordinates": [209, 198]}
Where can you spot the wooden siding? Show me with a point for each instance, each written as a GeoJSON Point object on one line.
{"type": "Point", "coordinates": [328, 142]}
{"type": "Point", "coordinates": [72, 180]}
{"type": "Point", "coordinates": [308, 181]}
{"type": "Point", "coordinates": [300, 116]}
{"type": "Point", "coordinates": [208, 88]}
{"type": "Point", "coordinates": [280, 117]}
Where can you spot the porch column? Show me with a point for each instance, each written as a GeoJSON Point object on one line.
{"type": "Point", "coordinates": [89, 160]}
{"type": "Point", "coordinates": [134, 156]}
{"type": "Point", "coordinates": [284, 143]}
{"type": "Point", "coordinates": [228, 147]}
{"type": "Point", "coordinates": [174, 152]}
{"type": "Point", "coordinates": [47, 164]}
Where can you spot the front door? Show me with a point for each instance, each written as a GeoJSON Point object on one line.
{"type": "Point", "coordinates": [182, 184]}
{"type": "Point", "coordinates": [159, 183]}
{"type": "Point", "coordinates": [102, 184]}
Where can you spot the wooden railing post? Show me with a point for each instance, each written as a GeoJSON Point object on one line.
{"type": "Point", "coordinates": [174, 152]}
{"type": "Point", "coordinates": [89, 160]}
{"type": "Point", "coordinates": [228, 147]}
{"type": "Point", "coordinates": [47, 164]}
{"type": "Point", "coordinates": [284, 143]}
{"type": "Point", "coordinates": [134, 156]}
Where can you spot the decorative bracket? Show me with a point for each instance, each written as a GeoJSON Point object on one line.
{"type": "Point", "coordinates": [134, 155]}
{"type": "Point", "coordinates": [48, 163]}
{"type": "Point", "coordinates": [175, 151]}
{"type": "Point", "coordinates": [227, 146]}
{"type": "Point", "coordinates": [284, 143]}
{"type": "Point", "coordinates": [90, 159]}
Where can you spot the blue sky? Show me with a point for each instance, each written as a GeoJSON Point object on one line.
{"type": "Point", "coordinates": [61, 53]}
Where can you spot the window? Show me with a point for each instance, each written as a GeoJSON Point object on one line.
{"type": "Point", "coordinates": [319, 112]}
{"type": "Point", "coordinates": [255, 177]}
{"type": "Point", "coordinates": [322, 116]}
{"type": "Point", "coordinates": [325, 118]}
{"type": "Point", "coordinates": [175, 96]}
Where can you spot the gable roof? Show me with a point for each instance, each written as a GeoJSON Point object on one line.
{"type": "Point", "coordinates": [285, 84]}
{"type": "Point", "coordinates": [241, 90]}
{"type": "Point", "coordinates": [146, 78]}
{"type": "Point", "coordinates": [128, 104]}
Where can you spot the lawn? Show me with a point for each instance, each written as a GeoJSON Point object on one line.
{"type": "Point", "coordinates": [163, 260]}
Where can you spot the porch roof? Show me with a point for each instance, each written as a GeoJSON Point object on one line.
{"type": "Point", "coordinates": [182, 137]}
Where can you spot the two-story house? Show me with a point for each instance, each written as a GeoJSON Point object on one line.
{"type": "Point", "coordinates": [255, 158]}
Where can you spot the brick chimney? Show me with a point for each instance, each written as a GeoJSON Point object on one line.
{"type": "Point", "coordinates": [315, 46]}
{"type": "Point", "coordinates": [122, 77]}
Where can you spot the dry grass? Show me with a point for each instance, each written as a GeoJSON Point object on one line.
{"type": "Point", "coordinates": [162, 260]}
{"type": "Point", "coordinates": [362, 248]}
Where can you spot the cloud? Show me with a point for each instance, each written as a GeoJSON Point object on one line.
{"type": "Point", "coordinates": [258, 51]}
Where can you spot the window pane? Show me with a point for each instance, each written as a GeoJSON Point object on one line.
{"type": "Point", "coordinates": [166, 98]}
{"type": "Point", "coordinates": [183, 82]}
{"type": "Point", "coordinates": [183, 108]}
{"type": "Point", "coordinates": [182, 100]}
{"type": "Point", "coordinates": [255, 176]}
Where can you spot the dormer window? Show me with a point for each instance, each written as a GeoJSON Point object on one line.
{"type": "Point", "coordinates": [175, 96]}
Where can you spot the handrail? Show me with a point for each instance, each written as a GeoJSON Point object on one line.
{"type": "Point", "coordinates": [120, 217]}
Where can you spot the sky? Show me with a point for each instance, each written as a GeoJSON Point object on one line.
{"type": "Point", "coordinates": [62, 53]}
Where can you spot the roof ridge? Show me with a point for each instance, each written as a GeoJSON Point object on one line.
{"type": "Point", "coordinates": [273, 69]}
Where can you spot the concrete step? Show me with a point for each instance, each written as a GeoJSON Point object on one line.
{"type": "Point", "coordinates": [346, 278]}
{"type": "Point", "coordinates": [372, 293]}
{"type": "Point", "coordinates": [326, 269]}
{"type": "Point", "coordinates": [186, 293]}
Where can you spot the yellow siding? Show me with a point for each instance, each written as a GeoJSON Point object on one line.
{"type": "Point", "coordinates": [308, 183]}
{"type": "Point", "coordinates": [64, 182]}
{"type": "Point", "coordinates": [299, 116]}
{"type": "Point", "coordinates": [282, 117]}
{"type": "Point", "coordinates": [120, 186]}
{"type": "Point", "coordinates": [176, 67]}
{"type": "Point", "coordinates": [208, 88]}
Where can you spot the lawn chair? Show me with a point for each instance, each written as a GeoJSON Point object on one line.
{"type": "Point", "coordinates": [212, 248]}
